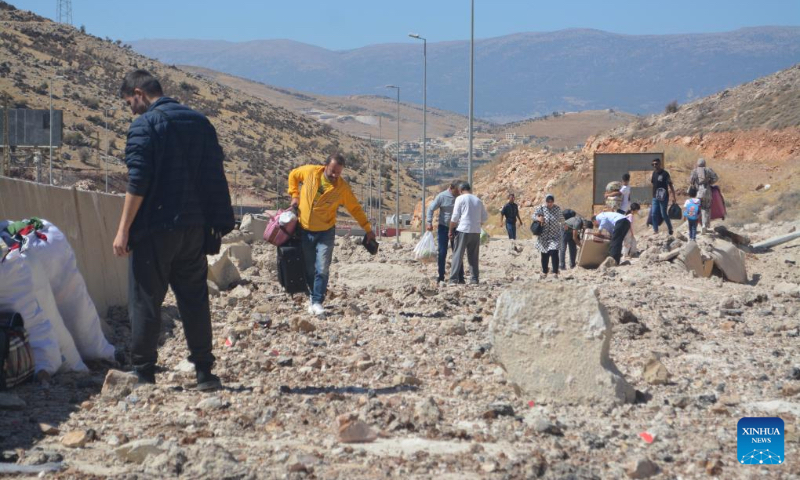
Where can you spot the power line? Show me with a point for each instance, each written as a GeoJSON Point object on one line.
{"type": "Point", "coordinates": [64, 11]}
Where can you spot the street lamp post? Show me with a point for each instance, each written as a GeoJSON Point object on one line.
{"type": "Point", "coordinates": [380, 175]}
{"type": "Point", "coordinates": [397, 186]}
{"type": "Point", "coordinates": [105, 156]}
{"type": "Point", "coordinates": [50, 89]}
{"type": "Point", "coordinates": [471, 87]}
{"type": "Point", "coordinates": [424, 117]}
{"type": "Point", "coordinates": [370, 212]}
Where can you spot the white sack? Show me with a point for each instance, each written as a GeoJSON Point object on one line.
{"type": "Point", "coordinates": [71, 295]}
{"type": "Point", "coordinates": [16, 294]}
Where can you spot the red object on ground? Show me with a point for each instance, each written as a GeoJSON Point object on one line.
{"type": "Point", "coordinates": [531, 404]}
{"type": "Point", "coordinates": [717, 204]}
{"type": "Point", "coordinates": [646, 437]}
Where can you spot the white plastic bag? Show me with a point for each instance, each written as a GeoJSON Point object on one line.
{"type": "Point", "coordinates": [16, 294]}
{"type": "Point", "coordinates": [44, 295]}
{"type": "Point", "coordinates": [287, 218]}
{"type": "Point", "coordinates": [426, 250]}
{"type": "Point", "coordinates": [72, 299]}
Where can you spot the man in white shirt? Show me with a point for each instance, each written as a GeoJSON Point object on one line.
{"type": "Point", "coordinates": [616, 224]}
{"type": "Point", "coordinates": [469, 214]}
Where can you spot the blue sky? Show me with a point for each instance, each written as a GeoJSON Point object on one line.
{"type": "Point", "coordinates": [349, 24]}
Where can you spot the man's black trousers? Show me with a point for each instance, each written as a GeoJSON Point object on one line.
{"type": "Point", "coordinates": [169, 258]}
{"type": "Point", "coordinates": [621, 228]}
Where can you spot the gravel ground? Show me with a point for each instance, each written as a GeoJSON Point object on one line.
{"type": "Point", "coordinates": [413, 361]}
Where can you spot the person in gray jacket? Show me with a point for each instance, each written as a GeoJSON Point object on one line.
{"type": "Point", "coordinates": [444, 202]}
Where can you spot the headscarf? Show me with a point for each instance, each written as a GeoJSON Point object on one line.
{"type": "Point", "coordinates": [700, 171]}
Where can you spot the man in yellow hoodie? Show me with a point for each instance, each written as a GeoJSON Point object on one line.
{"type": "Point", "coordinates": [322, 192]}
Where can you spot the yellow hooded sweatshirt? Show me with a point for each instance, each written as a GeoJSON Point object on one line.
{"type": "Point", "coordinates": [317, 213]}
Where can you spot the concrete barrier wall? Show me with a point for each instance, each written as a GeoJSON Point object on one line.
{"type": "Point", "coordinates": [88, 219]}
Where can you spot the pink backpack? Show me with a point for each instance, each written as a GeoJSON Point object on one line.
{"type": "Point", "coordinates": [280, 227]}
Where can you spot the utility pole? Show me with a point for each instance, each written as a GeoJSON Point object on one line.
{"type": "Point", "coordinates": [5, 162]}
{"type": "Point", "coordinates": [397, 186]}
{"type": "Point", "coordinates": [50, 89]}
{"type": "Point", "coordinates": [471, 88]}
{"type": "Point", "coordinates": [369, 181]}
{"type": "Point", "coordinates": [64, 11]}
{"type": "Point", "coordinates": [424, 117]}
{"type": "Point", "coordinates": [105, 117]}
{"type": "Point", "coordinates": [380, 174]}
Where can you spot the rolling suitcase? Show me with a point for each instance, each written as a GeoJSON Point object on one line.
{"type": "Point", "coordinates": [291, 268]}
{"type": "Point", "coordinates": [718, 209]}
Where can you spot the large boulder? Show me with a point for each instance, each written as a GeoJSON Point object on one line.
{"type": "Point", "coordinates": [253, 227]}
{"type": "Point", "coordinates": [730, 260]}
{"type": "Point", "coordinates": [553, 341]}
{"type": "Point", "coordinates": [241, 254]}
{"type": "Point", "coordinates": [222, 271]}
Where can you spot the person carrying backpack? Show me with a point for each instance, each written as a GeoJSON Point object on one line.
{"type": "Point", "coordinates": [701, 179]}
{"type": "Point", "coordinates": [691, 211]}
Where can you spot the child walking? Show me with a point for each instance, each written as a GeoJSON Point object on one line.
{"type": "Point", "coordinates": [691, 211]}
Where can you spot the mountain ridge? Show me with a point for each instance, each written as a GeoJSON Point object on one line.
{"type": "Point", "coordinates": [517, 76]}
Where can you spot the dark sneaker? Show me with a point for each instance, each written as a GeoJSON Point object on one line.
{"type": "Point", "coordinates": [207, 381]}
{"type": "Point", "coordinates": [473, 281]}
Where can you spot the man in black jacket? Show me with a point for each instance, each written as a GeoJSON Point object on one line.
{"type": "Point", "coordinates": [176, 207]}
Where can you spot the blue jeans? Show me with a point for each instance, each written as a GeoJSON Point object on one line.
{"type": "Point", "coordinates": [443, 242]}
{"type": "Point", "coordinates": [317, 253]}
{"type": "Point", "coordinates": [692, 229]}
{"type": "Point", "coordinates": [511, 228]}
{"type": "Point", "coordinates": [660, 206]}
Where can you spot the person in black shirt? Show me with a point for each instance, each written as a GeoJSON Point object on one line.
{"type": "Point", "coordinates": [511, 213]}
{"type": "Point", "coordinates": [661, 182]}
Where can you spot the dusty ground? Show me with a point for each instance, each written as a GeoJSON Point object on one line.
{"type": "Point", "coordinates": [392, 351]}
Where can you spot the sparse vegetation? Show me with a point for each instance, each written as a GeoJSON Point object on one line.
{"type": "Point", "coordinates": [672, 107]}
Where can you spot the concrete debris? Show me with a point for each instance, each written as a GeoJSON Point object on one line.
{"type": "Point", "coordinates": [48, 429]}
{"type": "Point", "coordinates": [730, 260]}
{"type": "Point", "coordinates": [417, 363]}
{"type": "Point", "coordinates": [241, 254]}
{"type": "Point", "coordinates": [118, 385]}
{"type": "Point", "coordinates": [608, 263]}
{"type": "Point", "coordinates": [253, 227]}
{"type": "Point", "coordinates": [580, 332]}
{"type": "Point", "coordinates": [787, 289]}
{"type": "Point", "coordinates": [655, 373]}
{"type": "Point", "coordinates": [222, 271]}
{"type": "Point", "coordinates": [299, 324]}
{"type": "Point", "coordinates": [352, 430]}
{"type": "Point", "coordinates": [138, 450]}
{"type": "Point", "coordinates": [641, 468]}
{"type": "Point", "coordinates": [427, 412]}
{"type": "Point", "coordinates": [76, 439]}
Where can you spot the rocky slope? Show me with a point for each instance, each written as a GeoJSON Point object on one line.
{"type": "Point", "coordinates": [355, 114]}
{"type": "Point", "coordinates": [416, 364]}
{"type": "Point", "coordinates": [749, 134]}
{"type": "Point", "coordinates": [759, 120]}
{"type": "Point", "coordinates": [260, 139]}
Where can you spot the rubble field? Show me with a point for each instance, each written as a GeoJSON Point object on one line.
{"type": "Point", "coordinates": [403, 377]}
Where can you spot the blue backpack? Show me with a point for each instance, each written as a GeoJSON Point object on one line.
{"type": "Point", "coordinates": [691, 210]}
